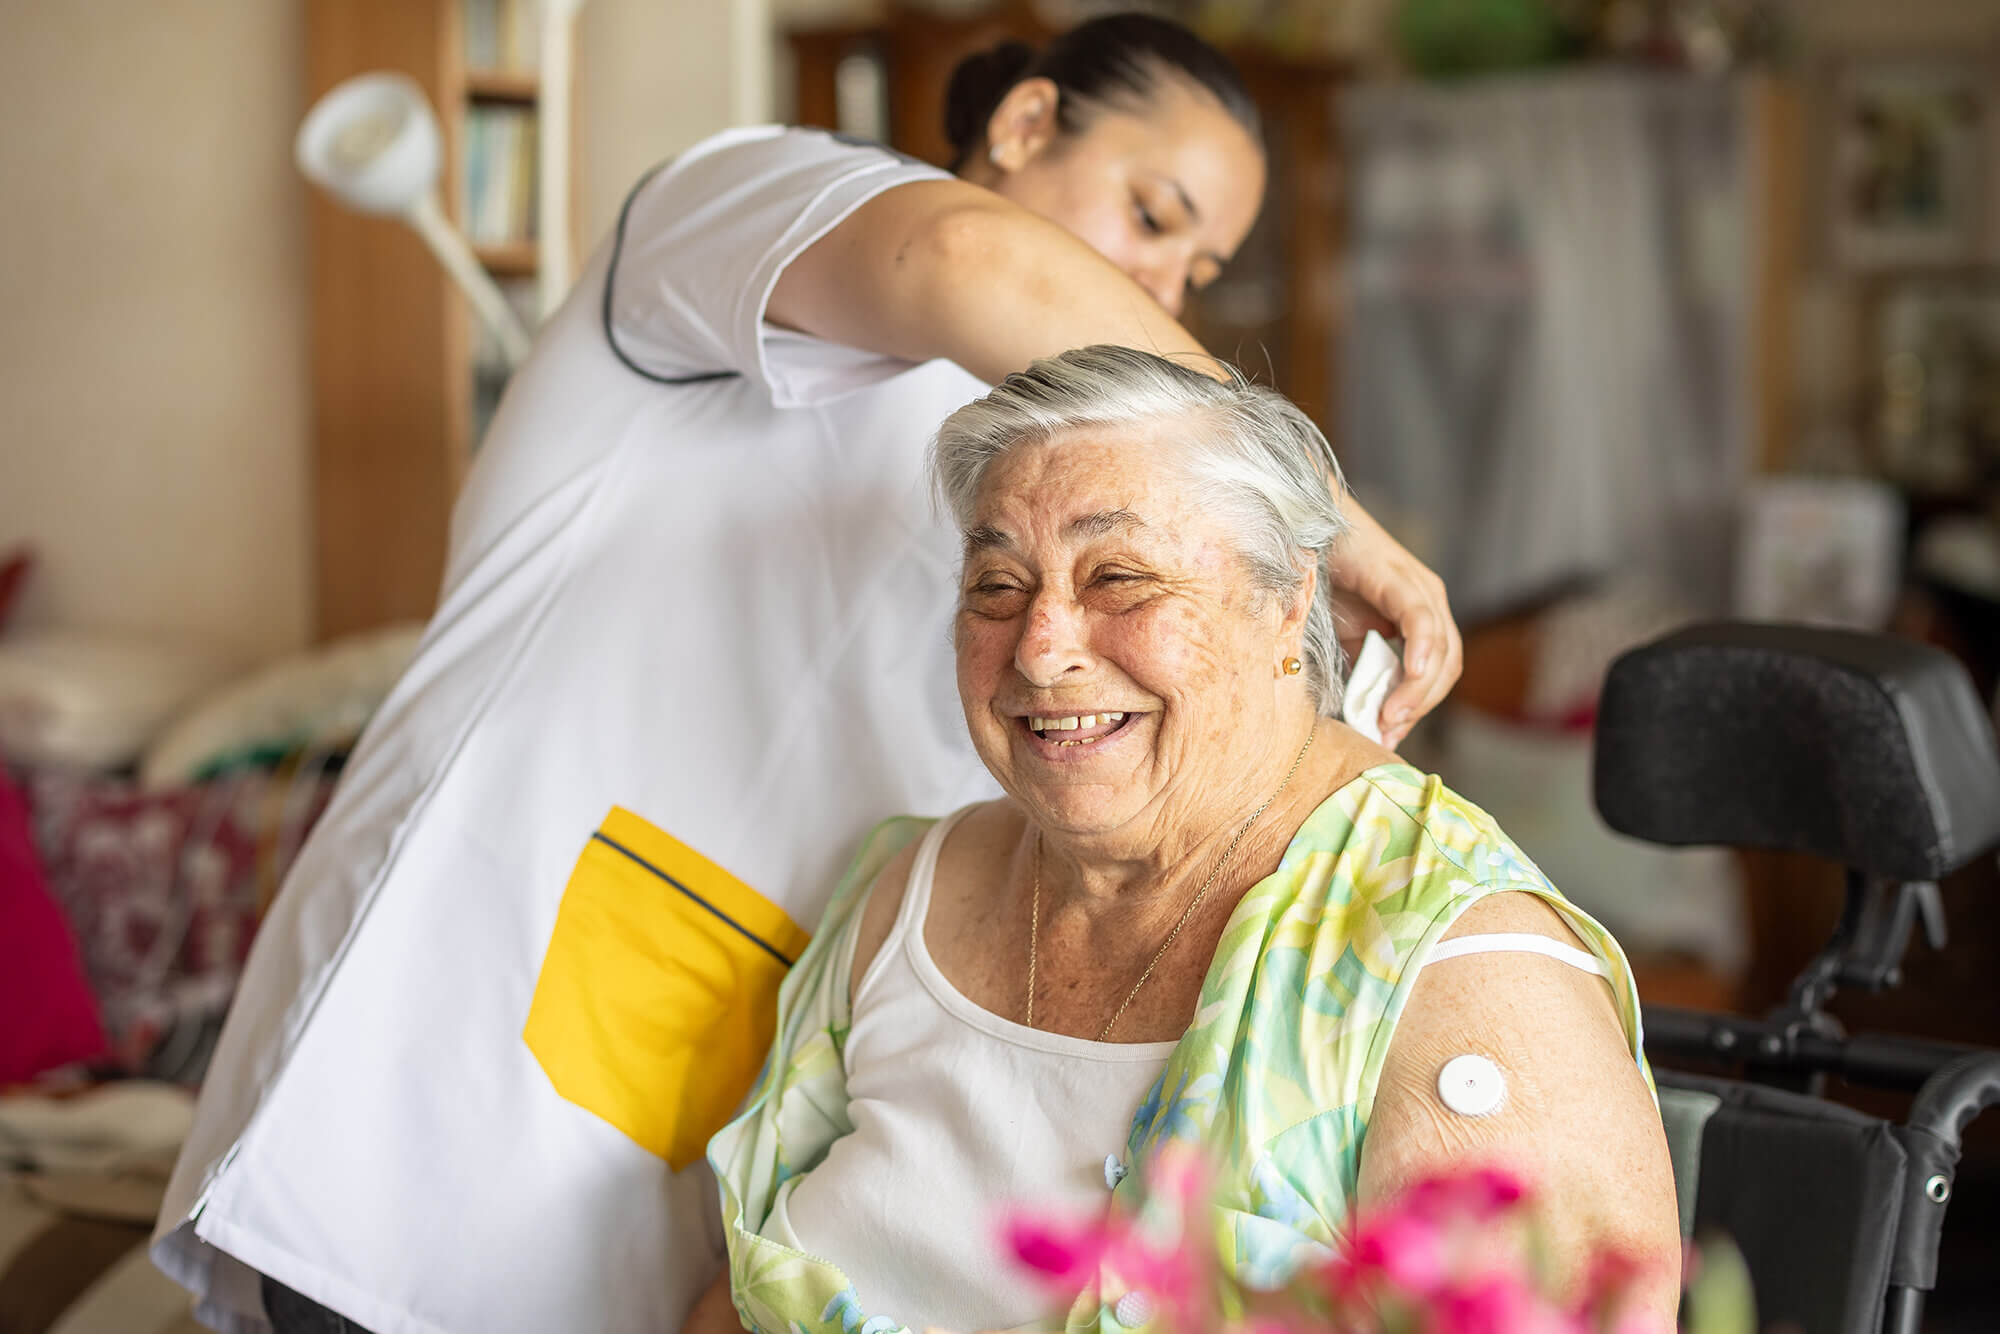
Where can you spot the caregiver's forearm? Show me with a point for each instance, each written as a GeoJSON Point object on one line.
{"type": "Point", "coordinates": [947, 269]}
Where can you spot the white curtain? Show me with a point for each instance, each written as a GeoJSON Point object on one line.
{"type": "Point", "coordinates": [1542, 366]}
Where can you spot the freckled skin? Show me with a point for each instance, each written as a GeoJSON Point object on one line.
{"type": "Point", "coordinates": [1154, 617]}
{"type": "Point", "coordinates": [1578, 1124]}
{"type": "Point", "coordinates": [1156, 620]}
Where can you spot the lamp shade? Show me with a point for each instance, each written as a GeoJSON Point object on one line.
{"type": "Point", "coordinates": [372, 143]}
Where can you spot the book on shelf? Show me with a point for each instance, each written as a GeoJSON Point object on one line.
{"type": "Point", "coordinates": [502, 35]}
{"type": "Point", "coordinates": [498, 207]}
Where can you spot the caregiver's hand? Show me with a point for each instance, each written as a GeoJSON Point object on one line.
{"type": "Point", "coordinates": [1379, 585]}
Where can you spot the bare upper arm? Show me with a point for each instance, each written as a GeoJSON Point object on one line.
{"type": "Point", "coordinates": [942, 268]}
{"type": "Point", "coordinates": [878, 914]}
{"type": "Point", "coordinates": [829, 290]}
{"type": "Point", "coordinates": [1577, 1122]}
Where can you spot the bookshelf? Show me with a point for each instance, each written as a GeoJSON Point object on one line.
{"type": "Point", "coordinates": [402, 373]}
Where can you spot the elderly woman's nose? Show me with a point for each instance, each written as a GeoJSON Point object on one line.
{"type": "Point", "coordinates": [1052, 642]}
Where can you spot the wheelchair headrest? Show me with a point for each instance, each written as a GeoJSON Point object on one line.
{"type": "Point", "coordinates": [1871, 751]}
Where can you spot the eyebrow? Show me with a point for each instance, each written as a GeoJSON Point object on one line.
{"type": "Point", "coordinates": [985, 537]}
{"type": "Point", "coordinates": [1194, 215]}
{"type": "Point", "coordinates": [1105, 521]}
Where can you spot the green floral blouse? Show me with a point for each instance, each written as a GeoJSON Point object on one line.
{"type": "Point", "coordinates": [1274, 1080]}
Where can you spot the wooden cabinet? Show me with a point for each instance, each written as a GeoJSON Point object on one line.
{"type": "Point", "coordinates": [393, 341]}
{"type": "Point", "coordinates": [1273, 311]}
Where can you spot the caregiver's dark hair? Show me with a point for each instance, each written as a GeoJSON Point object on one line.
{"type": "Point", "coordinates": [1118, 60]}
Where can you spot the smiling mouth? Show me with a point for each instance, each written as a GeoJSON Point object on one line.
{"type": "Point", "coordinates": [1076, 729]}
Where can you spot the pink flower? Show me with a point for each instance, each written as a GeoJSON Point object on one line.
{"type": "Point", "coordinates": [1062, 1257]}
{"type": "Point", "coordinates": [1072, 1257]}
{"type": "Point", "coordinates": [1167, 1274]}
{"type": "Point", "coordinates": [1482, 1194]}
{"type": "Point", "coordinates": [1605, 1283]}
{"type": "Point", "coordinates": [1402, 1248]}
{"type": "Point", "coordinates": [1452, 1255]}
{"type": "Point", "coordinates": [1179, 1173]}
{"type": "Point", "coordinates": [1497, 1303]}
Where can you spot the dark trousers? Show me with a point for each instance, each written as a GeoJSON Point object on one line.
{"type": "Point", "coordinates": [292, 1314]}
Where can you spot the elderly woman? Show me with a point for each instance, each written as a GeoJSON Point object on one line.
{"type": "Point", "coordinates": [1205, 911]}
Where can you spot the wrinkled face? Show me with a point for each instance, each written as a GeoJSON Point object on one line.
{"type": "Point", "coordinates": [1167, 194]}
{"type": "Point", "coordinates": [1116, 665]}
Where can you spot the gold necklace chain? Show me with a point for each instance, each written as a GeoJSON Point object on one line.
{"type": "Point", "coordinates": [1035, 900]}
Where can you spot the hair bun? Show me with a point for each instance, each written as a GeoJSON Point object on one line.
{"type": "Point", "coordinates": [977, 85]}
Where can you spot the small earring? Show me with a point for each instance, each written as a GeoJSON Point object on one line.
{"type": "Point", "coordinates": [1293, 667]}
{"type": "Point", "coordinates": [993, 154]}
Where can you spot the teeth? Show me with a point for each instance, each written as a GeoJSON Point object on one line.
{"type": "Point", "coordinates": [1073, 722]}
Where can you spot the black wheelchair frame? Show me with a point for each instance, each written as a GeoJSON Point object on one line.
{"type": "Point", "coordinates": [1874, 753]}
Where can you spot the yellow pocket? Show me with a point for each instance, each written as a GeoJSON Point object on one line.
{"type": "Point", "coordinates": [659, 993]}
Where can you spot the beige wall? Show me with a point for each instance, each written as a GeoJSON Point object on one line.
{"type": "Point", "coordinates": [654, 76]}
{"type": "Point", "coordinates": [152, 318]}
{"type": "Point", "coordinates": [154, 366]}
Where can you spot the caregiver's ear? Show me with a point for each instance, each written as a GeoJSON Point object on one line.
{"type": "Point", "coordinates": [1023, 124]}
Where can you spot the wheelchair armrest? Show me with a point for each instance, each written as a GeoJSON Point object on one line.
{"type": "Point", "coordinates": [1944, 1107]}
{"type": "Point", "coordinates": [1950, 1098]}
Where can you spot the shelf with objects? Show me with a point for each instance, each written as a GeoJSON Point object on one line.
{"type": "Point", "coordinates": [441, 115]}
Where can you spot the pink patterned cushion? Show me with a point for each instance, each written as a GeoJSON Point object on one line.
{"type": "Point", "coordinates": [164, 889]}
{"type": "Point", "coordinates": [52, 1019]}
{"type": "Point", "coordinates": [15, 567]}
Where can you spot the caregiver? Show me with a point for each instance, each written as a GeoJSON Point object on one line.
{"type": "Point", "coordinates": [692, 644]}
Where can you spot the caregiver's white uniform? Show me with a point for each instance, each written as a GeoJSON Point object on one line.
{"type": "Point", "coordinates": [692, 645]}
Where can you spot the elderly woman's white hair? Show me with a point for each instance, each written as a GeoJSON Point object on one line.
{"type": "Point", "coordinates": [1260, 462]}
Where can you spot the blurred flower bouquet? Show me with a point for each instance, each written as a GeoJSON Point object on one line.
{"type": "Point", "coordinates": [1453, 1255]}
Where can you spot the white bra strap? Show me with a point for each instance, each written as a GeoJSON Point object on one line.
{"type": "Point", "coordinates": [1524, 942]}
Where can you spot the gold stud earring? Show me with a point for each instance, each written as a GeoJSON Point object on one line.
{"type": "Point", "coordinates": [1293, 667]}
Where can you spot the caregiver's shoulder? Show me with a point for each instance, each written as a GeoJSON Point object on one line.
{"type": "Point", "coordinates": [700, 241]}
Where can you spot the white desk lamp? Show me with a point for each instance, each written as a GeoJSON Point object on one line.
{"type": "Point", "coordinates": [373, 144]}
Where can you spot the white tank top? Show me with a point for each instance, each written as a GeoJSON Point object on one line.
{"type": "Point", "coordinates": [958, 1114]}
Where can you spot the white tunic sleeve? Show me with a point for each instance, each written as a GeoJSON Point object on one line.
{"type": "Point", "coordinates": [701, 243]}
